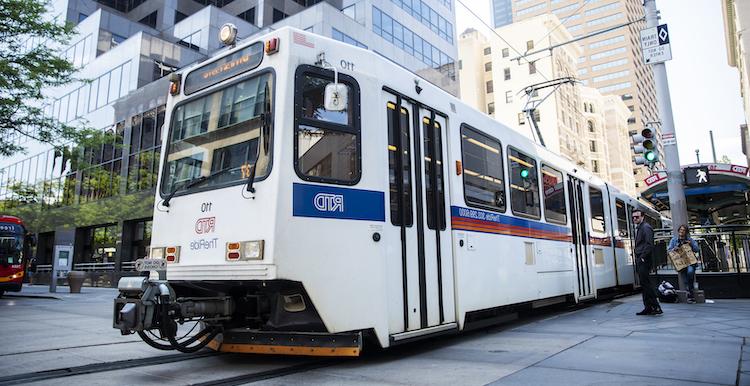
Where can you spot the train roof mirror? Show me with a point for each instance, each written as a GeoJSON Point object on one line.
{"type": "Point", "coordinates": [336, 97]}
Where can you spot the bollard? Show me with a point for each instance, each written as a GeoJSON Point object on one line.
{"type": "Point", "coordinates": [682, 296]}
{"type": "Point", "coordinates": [699, 296]}
{"type": "Point", "coordinates": [75, 281]}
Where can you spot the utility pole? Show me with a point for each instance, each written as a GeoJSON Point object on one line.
{"type": "Point", "coordinates": [677, 204]}
{"type": "Point", "coordinates": [698, 155]}
{"type": "Point", "coordinates": [713, 148]}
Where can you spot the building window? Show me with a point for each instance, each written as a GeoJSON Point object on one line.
{"type": "Point", "coordinates": [537, 116]}
{"type": "Point", "coordinates": [278, 15]}
{"type": "Point", "coordinates": [488, 66]}
{"type": "Point", "coordinates": [248, 16]}
{"type": "Point", "coordinates": [596, 201]}
{"type": "Point", "coordinates": [553, 189]}
{"type": "Point", "coordinates": [524, 184]}
{"type": "Point", "coordinates": [149, 20]}
{"type": "Point", "coordinates": [487, 50]}
{"type": "Point", "coordinates": [82, 16]}
{"type": "Point", "coordinates": [532, 67]}
{"type": "Point", "coordinates": [631, 121]}
{"type": "Point", "coordinates": [491, 108]}
{"type": "Point", "coordinates": [595, 166]}
{"type": "Point", "coordinates": [506, 73]}
{"type": "Point", "coordinates": [99, 246]}
{"type": "Point", "coordinates": [340, 36]}
{"type": "Point", "coordinates": [488, 87]}
{"type": "Point", "coordinates": [179, 16]}
{"type": "Point", "coordinates": [529, 45]}
{"type": "Point", "coordinates": [505, 52]}
{"type": "Point", "coordinates": [145, 149]}
{"type": "Point", "coordinates": [592, 146]}
{"type": "Point", "coordinates": [509, 97]}
{"type": "Point", "coordinates": [521, 118]}
{"type": "Point", "coordinates": [484, 184]}
{"type": "Point", "coordinates": [327, 143]}
{"type": "Point", "coordinates": [591, 126]}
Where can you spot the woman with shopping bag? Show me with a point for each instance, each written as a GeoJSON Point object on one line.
{"type": "Point", "coordinates": [683, 238]}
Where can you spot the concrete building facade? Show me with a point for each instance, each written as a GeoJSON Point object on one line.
{"type": "Point", "coordinates": [610, 62]}
{"type": "Point", "coordinates": [736, 20]}
{"type": "Point", "coordinates": [97, 203]}
{"type": "Point", "coordinates": [575, 121]}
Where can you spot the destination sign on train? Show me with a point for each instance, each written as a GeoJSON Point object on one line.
{"type": "Point", "coordinates": [231, 65]}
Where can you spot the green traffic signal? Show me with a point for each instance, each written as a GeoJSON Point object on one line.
{"type": "Point", "coordinates": [524, 173]}
{"type": "Point", "coordinates": [650, 156]}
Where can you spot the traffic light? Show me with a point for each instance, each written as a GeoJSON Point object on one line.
{"type": "Point", "coordinates": [645, 147]}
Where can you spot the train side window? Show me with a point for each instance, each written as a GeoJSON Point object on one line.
{"type": "Point", "coordinates": [524, 184]}
{"type": "Point", "coordinates": [596, 201]}
{"type": "Point", "coordinates": [622, 219]}
{"type": "Point", "coordinates": [393, 165]}
{"type": "Point", "coordinates": [482, 156]}
{"type": "Point", "coordinates": [553, 190]}
{"type": "Point", "coordinates": [327, 144]}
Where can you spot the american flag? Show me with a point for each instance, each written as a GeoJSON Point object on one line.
{"type": "Point", "coordinates": [301, 39]}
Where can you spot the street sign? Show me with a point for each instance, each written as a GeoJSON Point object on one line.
{"type": "Point", "coordinates": [696, 176]}
{"type": "Point", "coordinates": [655, 44]}
{"type": "Point", "coordinates": [142, 265]}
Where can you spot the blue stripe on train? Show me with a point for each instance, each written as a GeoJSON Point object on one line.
{"type": "Point", "coordinates": [340, 203]}
{"type": "Point", "coordinates": [481, 215]}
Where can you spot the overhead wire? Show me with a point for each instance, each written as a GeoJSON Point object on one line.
{"type": "Point", "coordinates": [498, 35]}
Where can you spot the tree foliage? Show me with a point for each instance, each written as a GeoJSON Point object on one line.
{"type": "Point", "coordinates": [26, 70]}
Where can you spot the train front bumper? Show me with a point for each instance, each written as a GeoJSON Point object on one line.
{"type": "Point", "coordinates": [241, 340]}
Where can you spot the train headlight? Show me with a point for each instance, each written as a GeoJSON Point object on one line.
{"type": "Point", "coordinates": [157, 253]}
{"type": "Point", "coordinates": [245, 250]}
{"type": "Point", "coordinates": [252, 250]}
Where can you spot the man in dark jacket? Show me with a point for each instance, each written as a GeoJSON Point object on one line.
{"type": "Point", "coordinates": [644, 248]}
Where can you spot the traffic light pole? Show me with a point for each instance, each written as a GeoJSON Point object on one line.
{"type": "Point", "coordinates": [677, 204]}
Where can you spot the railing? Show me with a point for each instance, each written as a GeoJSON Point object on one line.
{"type": "Point", "coordinates": [723, 248]}
{"type": "Point", "coordinates": [109, 266]}
{"type": "Point", "coordinates": [44, 268]}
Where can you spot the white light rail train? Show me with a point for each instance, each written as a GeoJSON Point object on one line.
{"type": "Point", "coordinates": [313, 195]}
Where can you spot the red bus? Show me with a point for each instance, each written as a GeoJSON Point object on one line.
{"type": "Point", "coordinates": [15, 251]}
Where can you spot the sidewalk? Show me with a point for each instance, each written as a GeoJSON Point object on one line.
{"type": "Point", "coordinates": [63, 292]}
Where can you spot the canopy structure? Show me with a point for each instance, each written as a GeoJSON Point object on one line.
{"type": "Point", "coordinates": [716, 194]}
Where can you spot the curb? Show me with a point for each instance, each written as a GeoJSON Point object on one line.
{"type": "Point", "coordinates": [31, 296]}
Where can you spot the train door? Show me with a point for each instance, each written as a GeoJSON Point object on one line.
{"type": "Point", "coordinates": [416, 144]}
{"type": "Point", "coordinates": [622, 244]}
{"type": "Point", "coordinates": [585, 288]}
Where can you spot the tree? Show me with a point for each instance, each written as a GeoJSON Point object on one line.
{"type": "Point", "coordinates": [725, 160]}
{"type": "Point", "coordinates": [26, 68]}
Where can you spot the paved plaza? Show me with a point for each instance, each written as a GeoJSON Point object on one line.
{"type": "Point", "coordinates": [601, 344]}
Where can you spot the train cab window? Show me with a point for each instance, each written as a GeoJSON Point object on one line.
{"type": "Point", "coordinates": [327, 145]}
{"type": "Point", "coordinates": [596, 200]}
{"type": "Point", "coordinates": [399, 166]}
{"type": "Point", "coordinates": [553, 190]}
{"type": "Point", "coordinates": [524, 184]}
{"type": "Point", "coordinates": [484, 183]}
{"type": "Point", "coordinates": [214, 138]}
{"type": "Point", "coordinates": [622, 219]}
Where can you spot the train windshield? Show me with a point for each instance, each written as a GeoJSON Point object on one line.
{"type": "Point", "coordinates": [219, 138]}
{"type": "Point", "coordinates": [11, 248]}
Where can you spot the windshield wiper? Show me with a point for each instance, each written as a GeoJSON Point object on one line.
{"type": "Point", "coordinates": [263, 139]}
{"type": "Point", "coordinates": [192, 182]}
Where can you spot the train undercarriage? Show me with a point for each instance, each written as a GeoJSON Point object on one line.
{"type": "Point", "coordinates": [264, 317]}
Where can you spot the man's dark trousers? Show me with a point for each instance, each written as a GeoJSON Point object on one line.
{"type": "Point", "coordinates": [648, 291]}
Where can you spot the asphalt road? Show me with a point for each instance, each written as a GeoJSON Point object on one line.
{"type": "Point", "coordinates": [70, 341]}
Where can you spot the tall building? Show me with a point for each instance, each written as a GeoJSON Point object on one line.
{"type": "Point", "coordinates": [610, 62]}
{"type": "Point", "coordinates": [575, 121]}
{"type": "Point", "coordinates": [98, 206]}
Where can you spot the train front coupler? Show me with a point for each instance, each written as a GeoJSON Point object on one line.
{"type": "Point", "coordinates": [144, 306]}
